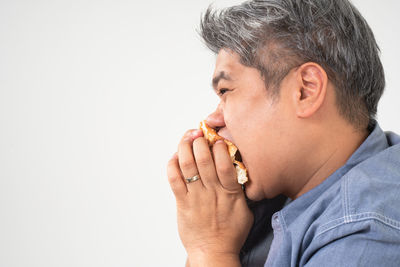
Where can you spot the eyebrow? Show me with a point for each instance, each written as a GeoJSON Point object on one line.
{"type": "Point", "coordinates": [221, 76]}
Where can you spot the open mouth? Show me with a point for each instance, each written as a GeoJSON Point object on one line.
{"type": "Point", "coordinates": [212, 136]}
{"type": "Point", "coordinates": [238, 156]}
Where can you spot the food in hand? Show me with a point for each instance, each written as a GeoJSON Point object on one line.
{"type": "Point", "coordinates": [211, 135]}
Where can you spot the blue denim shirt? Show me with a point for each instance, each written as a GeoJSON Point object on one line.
{"type": "Point", "coordinates": [351, 219]}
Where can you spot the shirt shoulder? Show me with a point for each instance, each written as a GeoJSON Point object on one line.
{"type": "Point", "coordinates": [372, 189]}
{"type": "Point", "coordinates": [362, 220]}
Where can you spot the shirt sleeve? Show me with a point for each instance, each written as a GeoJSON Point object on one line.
{"type": "Point", "coordinates": [367, 243]}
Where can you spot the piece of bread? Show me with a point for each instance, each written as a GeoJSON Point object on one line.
{"type": "Point", "coordinates": [211, 135]}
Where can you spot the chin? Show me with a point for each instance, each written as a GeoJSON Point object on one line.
{"type": "Point", "coordinates": [255, 192]}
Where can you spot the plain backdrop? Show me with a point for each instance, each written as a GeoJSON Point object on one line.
{"type": "Point", "coordinates": [94, 96]}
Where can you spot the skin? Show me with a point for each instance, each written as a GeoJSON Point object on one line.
{"type": "Point", "coordinates": [288, 144]}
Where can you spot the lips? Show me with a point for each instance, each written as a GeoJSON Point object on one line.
{"type": "Point", "coordinates": [225, 134]}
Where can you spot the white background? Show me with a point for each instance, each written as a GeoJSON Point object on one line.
{"type": "Point", "coordinates": [94, 96]}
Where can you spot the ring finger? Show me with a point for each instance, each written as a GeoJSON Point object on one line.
{"type": "Point", "coordinates": [187, 164]}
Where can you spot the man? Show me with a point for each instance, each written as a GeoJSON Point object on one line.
{"type": "Point", "coordinates": [299, 84]}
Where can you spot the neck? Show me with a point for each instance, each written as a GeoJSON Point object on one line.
{"type": "Point", "coordinates": [332, 153]}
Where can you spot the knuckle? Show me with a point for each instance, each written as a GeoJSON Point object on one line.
{"type": "Point", "coordinates": [188, 134]}
{"type": "Point", "coordinates": [171, 162]}
{"type": "Point", "coordinates": [184, 142]}
{"type": "Point", "coordinates": [203, 160]}
{"type": "Point", "coordinates": [173, 179]}
{"type": "Point", "coordinates": [174, 176]}
{"type": "Point", "coordinates": [190, 131]}
{"type": "Point", "coordinates": [171, 166]}
{"type": "Point", "coordinates": [225, 169]}
{"type": "Point", "coordinates": [199, 140]}
{"type": "Point", "coordinates": [186, 164]}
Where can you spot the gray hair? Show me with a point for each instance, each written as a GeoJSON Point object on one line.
{"type": "Point", "coordinates": [275, 36]}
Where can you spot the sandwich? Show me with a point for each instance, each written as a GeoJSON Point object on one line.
{"type": "Point", "coordinates": [211, 135]}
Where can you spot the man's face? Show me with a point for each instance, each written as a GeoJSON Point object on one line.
{"type": "Point", "coordinates": [258, 124]}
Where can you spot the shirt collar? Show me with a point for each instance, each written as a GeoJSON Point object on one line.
{"type": "Point", "coordinates": [372, 145]}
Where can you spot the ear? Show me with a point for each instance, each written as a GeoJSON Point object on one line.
{"type": "Point", "coordinates": [310, 95]}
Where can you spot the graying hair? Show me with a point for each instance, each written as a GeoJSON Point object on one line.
{"type": "Point", "coordinates": [275, 36]}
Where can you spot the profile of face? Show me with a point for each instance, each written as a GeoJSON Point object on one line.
{"type": "Point", "coordinates": [262, 126]}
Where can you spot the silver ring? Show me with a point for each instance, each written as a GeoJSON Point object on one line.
{"type": "Point", "coordinates": [192, 179]}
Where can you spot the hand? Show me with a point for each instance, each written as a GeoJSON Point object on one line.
{"type": "Point", "coordinates": [213, 217]}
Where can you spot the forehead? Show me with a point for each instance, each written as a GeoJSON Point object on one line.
{"type": "Point", "coordinates": [228, 62]}
{"type": "Point", "coordinates": [228, 65]}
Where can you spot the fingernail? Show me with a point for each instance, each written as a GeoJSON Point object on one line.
{"type": "Point", "coordinates": [220, 141]}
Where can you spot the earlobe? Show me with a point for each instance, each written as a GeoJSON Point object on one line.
{"type": "Point", "coordinates": [313, 81]}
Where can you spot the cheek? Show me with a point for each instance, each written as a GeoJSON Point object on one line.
{"type": "Point", "coordinates": [241, 113]}
{"type": "Point", "coordinates": [252, 128]}
{"type": "Point", "coordinates": [250, 135]}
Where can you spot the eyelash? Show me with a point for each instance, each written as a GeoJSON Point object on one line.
{"type": "Point", "coordinates": [222, 91]}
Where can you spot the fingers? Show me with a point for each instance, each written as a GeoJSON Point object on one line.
{"type": "Point", "coordinates": [195, 158]}
{"type": "Point", "coordinates": [187, 161]}
{"type": "Point", "coordinates": [205, 162]}
{"type": "Point", "coordinates": [225, 169]}
{"type": "Point", "coordinates": [175, 178]}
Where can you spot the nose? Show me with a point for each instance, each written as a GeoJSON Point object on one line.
{"type": "Point", "coordinates": [216, 119]}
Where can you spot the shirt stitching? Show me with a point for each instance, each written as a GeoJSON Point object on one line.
{"type": "Point", "coordinates": [345, 200]}
{"type": "Point", "coordinates": [336, 222]}
{"type": "Point", "coordinates": [280, 215]}
{"type": "Point", "coordinates": [362, 217]}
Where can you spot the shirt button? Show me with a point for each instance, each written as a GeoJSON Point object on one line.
{"type": "Point", "coordinates": [276, 218]}
{"type": "Point", "coordinates": [275, 222]}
